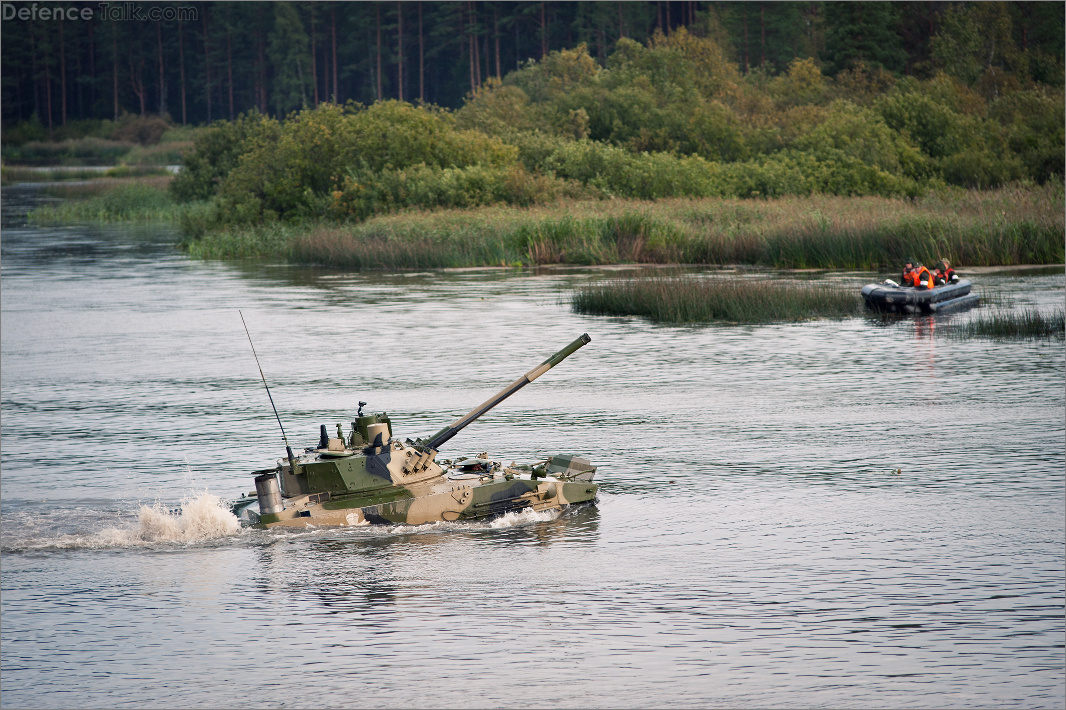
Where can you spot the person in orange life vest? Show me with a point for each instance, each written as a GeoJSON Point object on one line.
{"type": "Point", "coordinates": [943, 273]}
{"type": "Point", "coordinates": [908, 274]}
{"type": "Point", "coordinates": [923, 278]}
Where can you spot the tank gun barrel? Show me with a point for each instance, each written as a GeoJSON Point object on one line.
{"type": "Point", "coordinates": [449, 431]}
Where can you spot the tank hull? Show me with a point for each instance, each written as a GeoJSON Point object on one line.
{"type": "Point", "coordinates": [401, 483]}
{"type": "Point", "coordinates": [446, 499]}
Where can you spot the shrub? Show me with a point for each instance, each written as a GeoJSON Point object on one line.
{"type": "Point", "coordinates": [497, 110]}
{"type": "Point", "coordinates": [294, 173]}
{"type": "Point", "coordinates": [144, 130]}
{"type": "Point", "coordinates": [24, 132]}
{"type": "Point", "coordinates": [862, 83]}
{"type": "Point", "coordinates": [556, 75]}
{"type": "Point", "coordinates": [935, 127]}
{"type": "Point", "coordinates": [1035, 130]}
{"type": "Point", "coordinates": [803, 84]}
{"type": "Point", "coordinates": [215, 153]}
{"type": "Point", "coordinates": [648, 176]}
{"type": "Point", "coordinates": [860, 133]}
{"type": "Point", "coordinates": [429, 187]}
{"type": "Point", "coordinates": [535, 148]}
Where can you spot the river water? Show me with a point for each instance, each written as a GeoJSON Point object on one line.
{"type": "Point", "coordinates": [846, 513]}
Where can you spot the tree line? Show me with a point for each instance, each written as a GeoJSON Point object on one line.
{"type": "Point", "coordinates": [199, 62]}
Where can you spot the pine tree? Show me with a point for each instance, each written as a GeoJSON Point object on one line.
{"type": "Point", "coordinates": [291, 57]}
{"type": "Point", "coordinates": [863, 32]}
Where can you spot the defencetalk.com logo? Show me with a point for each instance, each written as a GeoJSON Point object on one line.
{"type": "Point", "coordinates": [109, 11]}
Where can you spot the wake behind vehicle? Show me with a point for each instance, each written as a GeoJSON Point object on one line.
{"type": "Point", "coordinates": [370, 476]}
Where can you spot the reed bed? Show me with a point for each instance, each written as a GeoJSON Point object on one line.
{"type": "Point", "coordinates": [140, 200]}
{"type": "Point", "coordinates": [12, 174]}
{"type": "Point", "coordinates": [680, 299]}
{"type": "Point", "coordinates": [1025, 324]}
{"type": "Point", "coordinates": [1008, 226]}
{"type": "Point", "coordinates": [99, 151]}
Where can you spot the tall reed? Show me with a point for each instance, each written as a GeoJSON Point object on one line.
{"type": "Point", "coordinates": [1027, 324]}
{"type": "Point", "coordinates": [682, 299]}
{"type": "Point", "coordinates": [129, 201]}
{"type": "Point", "coordinates": [1014, 225]}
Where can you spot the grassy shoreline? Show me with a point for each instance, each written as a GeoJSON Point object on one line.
{"type": "Point", "coordinates": [1018, 224]}
{"type": "Point", "coordinates": [1008, 226]}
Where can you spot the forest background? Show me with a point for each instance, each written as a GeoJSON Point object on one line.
{"type": "Point", "coordinates": [338, 113]}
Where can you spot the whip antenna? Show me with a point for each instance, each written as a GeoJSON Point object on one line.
{"type": "Point", "coordinates": [292, 462]}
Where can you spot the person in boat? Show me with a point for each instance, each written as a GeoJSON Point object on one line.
{"type": "Point", "coordinates": [923, 277]}
{"type": "Point", "coordinates": [908, 274]}
{"type": "Point", "coordinates": [944, 274]}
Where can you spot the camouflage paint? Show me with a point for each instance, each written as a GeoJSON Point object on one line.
{"type": "Point", "coordinates": [392, 482]}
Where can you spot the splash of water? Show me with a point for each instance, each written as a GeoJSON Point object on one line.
{"type": "Point", "coordinates": [523, 517]}
{"type": "Point", "coordinates": [201, 518]}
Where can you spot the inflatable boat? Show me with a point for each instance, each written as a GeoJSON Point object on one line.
{"type": "Point", "coordinates": [891, 298]}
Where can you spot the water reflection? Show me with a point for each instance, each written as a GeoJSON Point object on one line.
{"type": "Point", "coordinates": [353, 577]}
{"type": "Point", "coordinates": [369, 569]}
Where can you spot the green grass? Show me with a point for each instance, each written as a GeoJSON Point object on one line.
{"type": "Point", "coordinates": [126, 202]}
{"type": "Point", "coordinates": [1009, 226]}
{"type": "Point", "coordinates": [679, 299]}
{"type": "Point", "coordinates": [1026, 324]}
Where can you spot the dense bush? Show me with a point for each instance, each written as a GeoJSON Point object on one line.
{"type": "Point", "coordinates": [428, 187]}
{"type": "Point", "coordinates": [292, 170]}
{"type": "Point", "coordinates": [672, 118]}
{"type": "Point", "coordinates": [24, 132]}
{"type": "Point", "coordinates": [144, 130]}
{"type": "Point", "coordinates": [664, 97]}
{"type": "Point", "coordinates": [1034, 121]}
{"type": "Point", "coordinates": [860, 133]}
{"type": "Point", "coordinates": [215, 153]}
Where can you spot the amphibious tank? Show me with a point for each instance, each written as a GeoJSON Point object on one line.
{"type": "Point", "coordinates": [369, 476]}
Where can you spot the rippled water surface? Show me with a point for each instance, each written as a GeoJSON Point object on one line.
{"type": "Point", "coordinates": [837, 514]}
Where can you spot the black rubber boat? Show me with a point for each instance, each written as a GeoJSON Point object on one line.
{"type": "Point", "coordinates": [891, 298]}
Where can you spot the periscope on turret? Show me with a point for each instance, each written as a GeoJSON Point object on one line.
{"type": "Point", "coordinates": [372, 477]}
